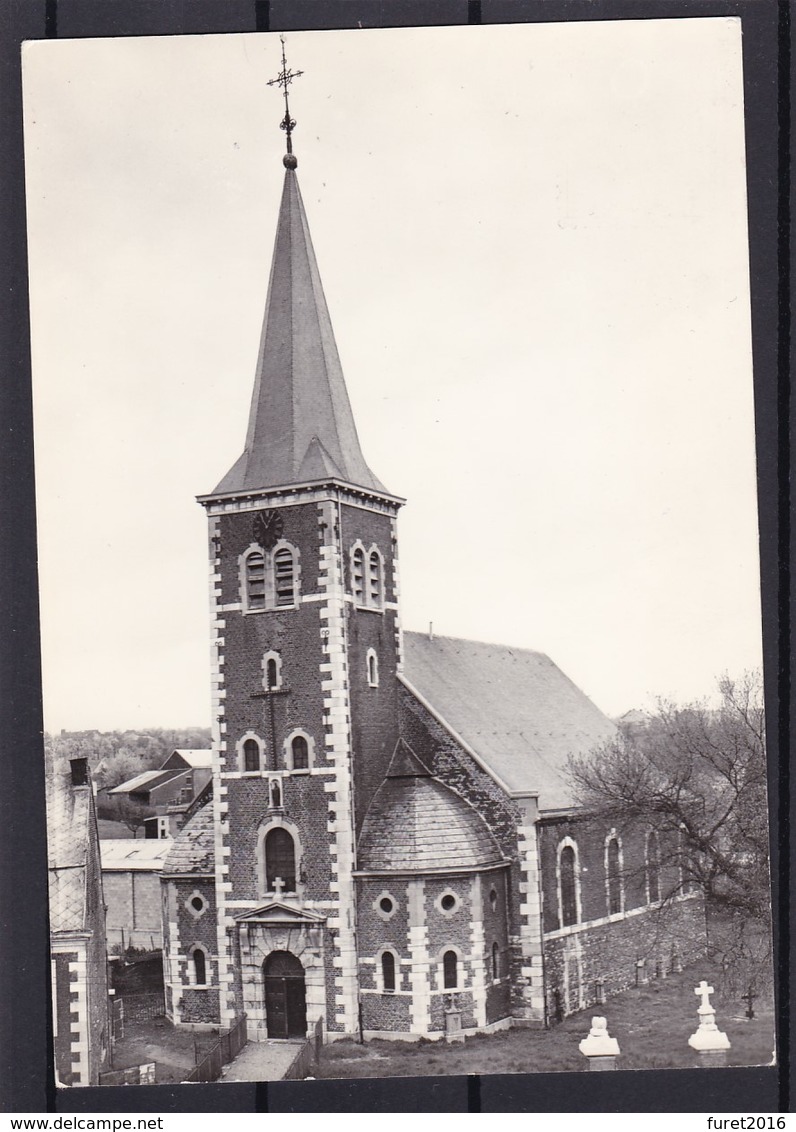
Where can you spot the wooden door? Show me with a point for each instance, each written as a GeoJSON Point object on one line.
{"type": "Point", "coordinates": [285, 996]}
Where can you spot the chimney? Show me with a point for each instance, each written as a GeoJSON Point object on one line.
{"type": "Point", "coordinates": [79, 769]}
{"type": "Point", "coordinates": [431, 630]}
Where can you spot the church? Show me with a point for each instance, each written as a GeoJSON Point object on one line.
{"type": "Point", "coordinates": [391, 847]}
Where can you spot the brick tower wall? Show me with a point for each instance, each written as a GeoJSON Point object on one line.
{"type": "Point", "coordinates": [374, 711]}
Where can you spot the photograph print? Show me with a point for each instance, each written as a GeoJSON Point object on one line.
{"type": "Point", "coordinates": [503, 811]}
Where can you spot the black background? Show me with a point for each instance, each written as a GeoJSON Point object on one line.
{"type": "Point", "coordinates": [25, 1025]}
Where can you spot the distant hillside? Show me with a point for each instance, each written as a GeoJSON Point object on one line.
{"type": "Point", "coordinates": [115, 756]}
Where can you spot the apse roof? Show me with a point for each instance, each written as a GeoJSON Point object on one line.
{"type": "Point", "coordinates": [416, 824]}
{"type": "Point", "coordinates": [301, 428]}
{"type": "Point", "coordinates": [513, 707]}
{"type": "Point", "coordinates": [193, 849]}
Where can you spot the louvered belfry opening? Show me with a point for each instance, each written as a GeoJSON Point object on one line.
{"type": "Point", "coordinates": [284, 577]}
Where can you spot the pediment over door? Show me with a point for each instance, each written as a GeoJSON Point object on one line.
{"type": "Point", "coordinates": [277, 914]}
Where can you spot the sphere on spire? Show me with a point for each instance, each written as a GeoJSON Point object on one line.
{"type": "Point", "coordinates": [290, 161]}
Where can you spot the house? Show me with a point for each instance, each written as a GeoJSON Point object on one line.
{"type": "Point", "coordinates": [77, 926]}
{"type": "Point", "coordinates": [169, 791]}
{"type": "Point", "coordinates": [393, 845]}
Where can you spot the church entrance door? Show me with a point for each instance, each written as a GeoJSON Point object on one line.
{"type": "Point", "coordinates": [285, 996]}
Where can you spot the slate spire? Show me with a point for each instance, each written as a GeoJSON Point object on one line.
{"type": "Point", "coordinates": [301, 427]}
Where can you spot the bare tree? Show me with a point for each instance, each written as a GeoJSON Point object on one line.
{"type": "Point", "coordinates": [132, 813]}
{"type": "Point", "coordinates": [697, 775]}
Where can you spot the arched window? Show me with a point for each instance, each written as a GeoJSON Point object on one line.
{"type": "Point", "coordinates": [284, 577]}
{"type": "Point", "coordinates": [495, 962]}
{"type": "Point", "coordinates": [374, 579]}
{"type": "Point", "coordinates": [271, 673]}
{"type": "Point", "coordinates": [613, 874]}
{"type": "Point", "coordinates": [568, 885]}
{"type": "Point", "coordinates": [686, 865]}
{"type": "Point", "coordinates": [653, 868]}
{"type": "Point", "coordinates": [373, 669]}
{"type": "Point", "coordinates": [388, 971]}
{"type": "Point", "coordinates": [199, 967]}
{"type": "Point", "coordinates": [358, 574]}
{"type": "Point", "coordinates": [280, 861]}
{"type": "Point", "coordinates": [251, 755]}
{"type": "Point", "coordinates": [300, 753]}
{"type": "Point", "coordinates": [254, 575]}
{"type": "Point", "coordinates": [450, 970]}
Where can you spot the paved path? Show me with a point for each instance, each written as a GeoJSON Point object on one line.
{"type": "Point", "coordinates": [262, 1061]}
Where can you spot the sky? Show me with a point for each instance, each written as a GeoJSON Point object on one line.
{"type": "Point", "coordinates": [532, 240]}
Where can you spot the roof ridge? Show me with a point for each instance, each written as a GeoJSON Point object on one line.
{"type": "Point", "coordinates": [420, 633]}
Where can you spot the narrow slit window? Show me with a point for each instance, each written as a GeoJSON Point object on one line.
{"type": "Point", "coordinates": [653, 868]}
{"type": "Point", "coordinates": [284, 577]}
{"type": "Point", "coordinates": [569, 891]}
{"type": "Point", "coordinates": [300, 752]}
{"type": "Point", "coordinates": [255, 580]}
{"type": "Point", "coordinates": [450, 970]}
{"type": "Point", "coordinates": [271, 675]}
{"type": "Point", "coordinates": [388, 971]}
{"type": "Point", "coordinates": [199, 967]}
{"type": "Point", "coordinates": [495, 962]}
{"type": "Point", "coordinates": [251, 755]}
{"type": "Point", "coordinates": [373, 669]}
{"type": "Point", "coordinates": [614, 877]}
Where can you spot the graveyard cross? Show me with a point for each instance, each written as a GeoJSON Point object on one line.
{"type": "Point", "coordinates": [704, 992]}
{"type": "Point", "coordinates": [749, 998]}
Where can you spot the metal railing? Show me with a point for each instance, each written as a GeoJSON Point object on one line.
{"type": "Point", "coordinates": [226, 1048]}
{"type": "Point", "coordinates": [307, 1056]}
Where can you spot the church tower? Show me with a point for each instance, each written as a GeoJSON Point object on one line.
{"type": "Point", "coordinates": [306, 646]}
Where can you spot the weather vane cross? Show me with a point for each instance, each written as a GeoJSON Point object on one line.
{"type": "Point", "coordinates": [288, 124]}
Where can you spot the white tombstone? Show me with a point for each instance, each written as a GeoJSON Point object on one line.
{"type": "Point", "coordinates": [601, 1049]}
{"type": "Point", "coordinates": [708, 1039]}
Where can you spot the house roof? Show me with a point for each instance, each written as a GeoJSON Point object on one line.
{"type": "Point", "coordinates": [146, 778]}
{"type": "Point", "coordinates": [417, 824]}
{"type": "Point", "coordinates": [193, 849]}
{"type": "Point", "coordinates": [69, 829]}
{"type": "Point", "coordinates": [301, 428]}
{"type": "Point", "coordinates": [514, 708]}
{"type": "Point", "coordinates": [201, 759]}
{"type": "Point", "coordinates": [122, 854]}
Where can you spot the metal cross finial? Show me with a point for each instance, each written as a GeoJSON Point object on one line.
{"type": "Point", "coordinates": [288, 124]}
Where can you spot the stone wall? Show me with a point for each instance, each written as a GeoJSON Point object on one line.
{"type": "Point", "coordinates": [610, 951]}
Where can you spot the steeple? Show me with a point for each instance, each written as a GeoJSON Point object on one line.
{"type": "Point", "coordinates": [301, 428]}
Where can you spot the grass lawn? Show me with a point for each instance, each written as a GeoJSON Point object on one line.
{"type": "Point", "coordinates": [652, 1025]}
